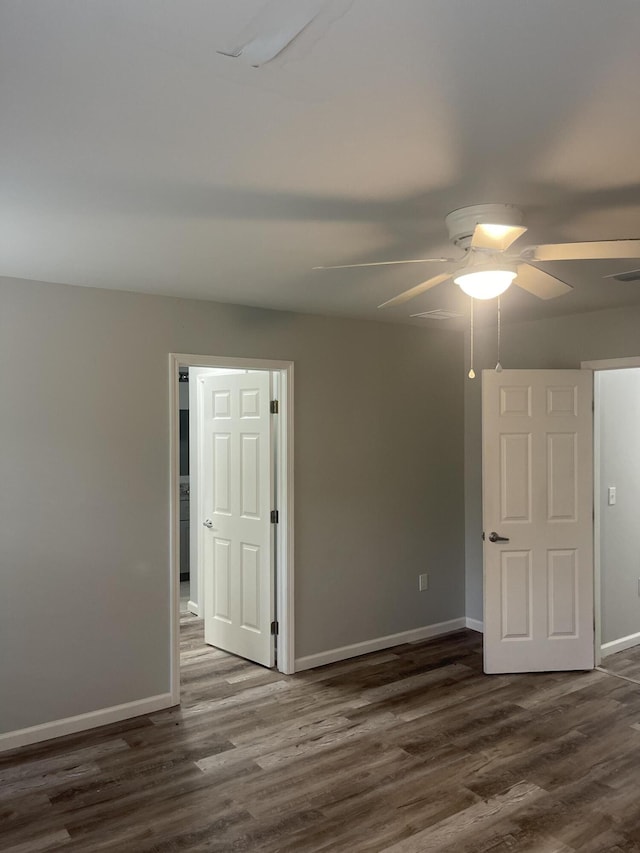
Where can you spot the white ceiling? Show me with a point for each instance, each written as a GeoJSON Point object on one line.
{"type": "Point", "coordinates": [136, 157]}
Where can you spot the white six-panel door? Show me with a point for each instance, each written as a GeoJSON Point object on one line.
{"type": "Point", "coordinates": [237, 493]}
{"type": "Point", "coordinates": [538, 495]}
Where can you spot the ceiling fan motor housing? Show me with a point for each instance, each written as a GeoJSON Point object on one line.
{"type": "Point", "coordinates": [462, 222]}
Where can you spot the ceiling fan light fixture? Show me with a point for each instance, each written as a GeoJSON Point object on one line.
{"type": "Point", "coordinates": [485, 283]}
{"type": "Point", "coordinates": [497, 231]}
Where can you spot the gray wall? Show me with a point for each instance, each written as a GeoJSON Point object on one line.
{"type": "Point", "coordinates": [562, 342]}
{"type": "Point", "coordinates": [84, 474]}
{"type": "Point", "coordinates": [618, 394]}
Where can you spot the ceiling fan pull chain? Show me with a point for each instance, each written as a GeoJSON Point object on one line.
{"type": "Point", "coordinates": [472, 373]}
{"type": "Point", "coordinates": [498, 365]}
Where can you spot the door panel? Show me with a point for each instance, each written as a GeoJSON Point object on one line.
{"type": "Point", "coordinates": [538, 495]}
{"type": "Point", "coordinates": [221, 474]}
{"type": "Point", "coordinates": [237, 495]}
{"type": "Point", "coordinates": [516, 594]}
{"type": "Point", "coordinates": [250, 477]}
{"type": "Point", "coordinates": [250, 579]}
{"type": "Point", "coordinates": [221, 568]}
{"type": "Point", "coordinates": [562, 483]}
{"type": "Point", "coordinates": [515, 475]}
{"type": "Point", "coordinates": [562, 593]}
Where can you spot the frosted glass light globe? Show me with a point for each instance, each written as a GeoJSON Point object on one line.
{"type": "Point", "coordinates": [485, 284]}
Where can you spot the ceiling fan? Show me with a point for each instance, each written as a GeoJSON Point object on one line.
{"type": "Point", "coordinates": [486, 233]}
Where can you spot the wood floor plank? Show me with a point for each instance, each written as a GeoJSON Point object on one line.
{"type": "Point", "coordinates": [376, 769]}
{"type": "Point", "coordinates": [54, 840]}
{"type": "Point", "coordinates": [626, 663]}
{"type": "Point", "coordinates": [462, 829]}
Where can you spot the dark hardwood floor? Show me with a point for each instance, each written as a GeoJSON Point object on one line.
{"type": "Point", "coordinates": [407, 750]}
{"type": "Point", "coordinates": [625, 664]}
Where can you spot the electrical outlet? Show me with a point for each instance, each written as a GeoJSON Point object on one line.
{"type": "Point", "coordinates": [423, 582]}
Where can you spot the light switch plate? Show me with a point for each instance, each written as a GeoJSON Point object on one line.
{"type": "Point", "coordinates": [611, 495]}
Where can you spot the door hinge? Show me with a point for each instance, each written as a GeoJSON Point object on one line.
{"type": "Point", "coordinates": [275, 628]}
{"type": "Point", "coordinates": [274, 407]}
{"type": "Point", "coordinates": [275, 516]}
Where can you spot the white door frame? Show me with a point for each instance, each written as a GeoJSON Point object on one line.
{"type": "Point", "coordinates": [284, 497]}
{"type": "Point", "coordinates": [602, 364]}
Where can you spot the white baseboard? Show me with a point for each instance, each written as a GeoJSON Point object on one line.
{"type": "Point", "coordinates": [83, 722]}
{"type": "Point", "coordinates": [475, 625]}
{"type": "Point", "coordinates": [412, 636]}
{"type": "Point", "coordinates": [619, 645]}
{"type": "Point", "coordinates": [192, 607]}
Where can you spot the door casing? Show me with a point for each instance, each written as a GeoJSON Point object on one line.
{"type": "Point", "coordinates": [284, 498]}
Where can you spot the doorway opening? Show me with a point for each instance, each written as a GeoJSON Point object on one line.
{"type": "Point", "coordinates": [616, 496]}
{"type": "Point", "coordinates": [186, 488]}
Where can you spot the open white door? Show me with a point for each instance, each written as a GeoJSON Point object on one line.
{"type": "Point", "coordinates": [537, 473]}
{"type": "Point", "coordinates": [237, 492]}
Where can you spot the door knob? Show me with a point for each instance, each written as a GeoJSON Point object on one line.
{"type": "Point", "coordinates": [495, 537]}
{"type": "Point", "coordinates": [208, 523]}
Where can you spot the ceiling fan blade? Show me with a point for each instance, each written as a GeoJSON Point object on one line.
{"type": "Point", "coordinates": [593, 250]}
{"type": "Point", "coordinates": [276, 25]}
{"type": "Point", "coordinates": [540, 283]}
{"type": "Point", "coordinates": [496, 237]}
{"type": "Point", "coordinates": [387, 263]}
{"type": "Point", "coordinates": [627, 275]}
{"type": "Point", "coordinates": [417, 290]}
